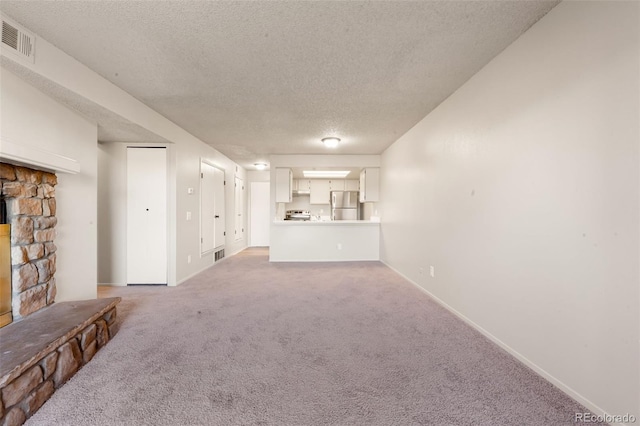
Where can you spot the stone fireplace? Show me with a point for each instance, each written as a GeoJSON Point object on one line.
{"type": "Point", "coordinates": [31, 207]}
{"type": "Point", "coordinates": [50, 341]}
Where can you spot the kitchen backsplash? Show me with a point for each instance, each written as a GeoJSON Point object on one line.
{"type": "Point", "coordinates": [301, 202]}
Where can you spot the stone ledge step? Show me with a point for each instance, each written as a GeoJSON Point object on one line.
{"type": "Point", "coordinates": [24, 343]}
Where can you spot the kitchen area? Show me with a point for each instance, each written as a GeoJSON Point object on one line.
{"type": "Point", "coordinates": [325, 208]}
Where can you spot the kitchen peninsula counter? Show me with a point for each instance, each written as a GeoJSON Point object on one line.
{"type": "Point", "coordinates": [324, 241]}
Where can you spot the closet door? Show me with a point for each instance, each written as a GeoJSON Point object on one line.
{"type": "Point", "coordinates": [212, 222]}
{"type": "Point", "coordinates": [219, 216]}
{"type": "Point", "coordinates": [146, 215]}
{"type": "Point", "coordinates": [239, 208]}
{"type": "Point", "coordinates": [207, 207]}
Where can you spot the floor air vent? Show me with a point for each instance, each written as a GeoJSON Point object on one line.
{"type": "Point", "coordinates": [17, 41]}
{"type": "Point", "coordinates": [218, 255]}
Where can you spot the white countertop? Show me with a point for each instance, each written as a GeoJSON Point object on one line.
{"type": "Point", "coordinates": [323, 222]}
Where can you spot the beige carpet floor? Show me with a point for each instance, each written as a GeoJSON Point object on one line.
{"type": "Point", "coordinates": [252, 343]}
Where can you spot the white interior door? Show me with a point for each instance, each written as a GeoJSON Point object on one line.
{"type": "Point", "coordinates": [239, 200]}
{"type": "Point", "coordinates": [219, 234]}
{"type": "Point", "coordinates": [212, 224]}
{"type": "Point", "coordinates": [146, 215]}
{"type": "Point", "coordinates": [207, 207]}
{"type": "Point", "coordinates": [260, 197]}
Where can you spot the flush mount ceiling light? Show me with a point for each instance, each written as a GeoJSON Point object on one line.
{"type": "Point", "coordinates": [325, 173]}
{"type": "Point", "coordinates": [260, 166]}
{"type": "Point", "coordinates": [331, 142]}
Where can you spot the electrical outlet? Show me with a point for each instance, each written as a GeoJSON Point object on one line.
{"type": "Point", "coordinates": [189, 259]}
{"type": "Point", "coordinates": [432, 271]}
{"type": "Point", "coordinates": [339, 246]}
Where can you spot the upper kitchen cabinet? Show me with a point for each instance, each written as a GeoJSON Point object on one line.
{"type": "Point", "coordinates": [320, 189]}
{"type": "Point", "coordinates": [370, 185]}
{"type": "Point", "coordinates": [352, 185]}
{"type": "Point", "coordinates": [301, 186]}
{"type": "Point", "coordinates": [284, 185]}
{"type": "Point", "coordinates": [336, 185]}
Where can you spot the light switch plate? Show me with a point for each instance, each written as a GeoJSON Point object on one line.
{"type": "Point", "coordinates": [188, 215]}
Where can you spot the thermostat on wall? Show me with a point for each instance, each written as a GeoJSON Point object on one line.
{"type": "Point", "coordinates": [189, 191]}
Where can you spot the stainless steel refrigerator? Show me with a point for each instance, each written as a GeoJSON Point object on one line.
{"type": "Point", "coordinates": [345, 205]}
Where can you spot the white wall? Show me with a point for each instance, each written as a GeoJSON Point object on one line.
{"type": "Point", "coordinates": [30, 118]}
{"type": "Point", "coordinates": [188, 157]}
{"type": "Point", "coordinates": [254, 176]}
{"type": "Point", "coordinates": [59, 69]}
{"type": "Point", "coordinates": [522, 190]}
{"type": "Point", "coordinates": [112, 213]}
{"type": "Point", "coordinates": [184, 236]}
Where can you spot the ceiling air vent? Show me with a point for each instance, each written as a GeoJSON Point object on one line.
{"type": "Point", "coordinates": [17, 41]}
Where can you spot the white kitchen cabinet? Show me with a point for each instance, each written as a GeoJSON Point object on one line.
{"type": "Point", "coordinates": [284, 185]}
{"type": "Point", "coordinates": [336, 185]}
{"type": "Point", "coordinates": [352, 185]}
{"type": "Point", "coordinates": [319, 191]}
{"type": "Point", "coordinates": [370, 185]}
{"type": "Point", "coordinates": [303, 186]}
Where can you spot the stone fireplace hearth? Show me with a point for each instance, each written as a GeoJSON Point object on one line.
{"type": "Point", "coordinates": [31, 208]}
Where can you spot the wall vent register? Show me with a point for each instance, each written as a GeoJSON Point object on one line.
{"type": "Point", "coordinates": [218, 255]}
{"type": "Point", "coordinates": [17, 41]}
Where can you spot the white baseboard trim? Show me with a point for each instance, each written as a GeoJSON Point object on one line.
{"type": "Point", "coordinates": [188, 277]}
{"type": "Point", "coordinates": [595, 409]}
{"type": "Point", "coordinates": [233, 254]}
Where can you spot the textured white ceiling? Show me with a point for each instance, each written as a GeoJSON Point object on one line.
{"type": "Point", "coordinates": [260, 78]}
{"type": "Point", "coordinates": [111, 127]}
